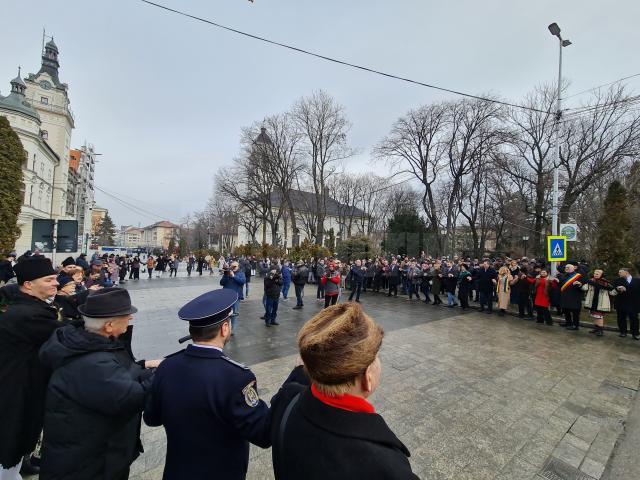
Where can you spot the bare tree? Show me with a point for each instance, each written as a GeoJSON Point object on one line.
{"type": "Point", "coordinates": [527, 156]}
{"type": "Point", "coordinates": [595, 142]}
{"type": "Point", "coordinates": [323, 125]}
{"type": "Point", "coordinates": [473, 134]}
{"type": "Point", "coordinates": [415, 146]}
{"type": "Point", "coordinates": [276, 145]}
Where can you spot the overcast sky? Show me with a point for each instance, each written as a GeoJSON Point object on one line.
{"type": "Point", "coordinates": [163, 98]}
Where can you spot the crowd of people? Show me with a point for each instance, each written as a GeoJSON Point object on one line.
{"type": "Point", "coordinates": [70, 383]}
{"type": "Point", "coordinates": [72, 390]}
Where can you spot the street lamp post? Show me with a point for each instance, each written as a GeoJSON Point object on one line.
{"type": "Point", "coordinates": [555, 31]}
{"type": "Point", "coordinates": [443, 232]}
{"type": "Point", "coordinates": [525, 239]}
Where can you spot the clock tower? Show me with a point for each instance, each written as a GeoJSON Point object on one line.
{"type": "Point", "coordinates": [50, 98]}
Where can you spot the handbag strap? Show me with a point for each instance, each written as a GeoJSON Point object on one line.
{"type": "Point", "coordinates": [283, 426]}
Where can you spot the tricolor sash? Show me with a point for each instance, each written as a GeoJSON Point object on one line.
{"type": "Point", "coordinates": [570, 281]}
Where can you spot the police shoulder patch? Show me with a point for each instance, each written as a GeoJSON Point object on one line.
{"type": "Point", "coordinates": [233, 362]}
{"type": "Point", "coordinates": [251, 395]}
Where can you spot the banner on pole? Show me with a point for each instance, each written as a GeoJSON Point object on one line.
{"type": "Point", "coordinates": [569, 230]}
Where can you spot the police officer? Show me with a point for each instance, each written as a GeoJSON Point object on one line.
{"type": "Point", "coordinates": [207, 403]}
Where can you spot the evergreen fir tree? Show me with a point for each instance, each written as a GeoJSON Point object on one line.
{"type": "Point", "coordinates": [614, 244]}
{"type": "Point", "coordinates": [12, 155]}
{"type": "Point", "coordinates": [105, 231]}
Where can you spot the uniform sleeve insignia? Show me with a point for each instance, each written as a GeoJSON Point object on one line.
{"type": "Point", "coordinates": [251, 395]}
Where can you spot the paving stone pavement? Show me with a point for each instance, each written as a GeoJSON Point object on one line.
{"type": "Point", "coordinates": [472, 396]}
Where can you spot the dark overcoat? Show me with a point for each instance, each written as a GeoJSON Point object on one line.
{"type": "Point", "coordinates": [210, 409]}
{"type": "Point", "coordinates": [94, 406]}
{"type": "Point", "coordinates": [24, 327]}
{"type": "Point", "coordinates": [629, 300]}
{"type": "Point", "coordinates": [322, 442]}
{"type": "Point", "coordinates": [571, 296]}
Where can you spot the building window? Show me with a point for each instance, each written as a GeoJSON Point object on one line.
{"type": "Point", "coordinates": [44, 134]}
{"type": "Point", "coordinates": [44, 100]}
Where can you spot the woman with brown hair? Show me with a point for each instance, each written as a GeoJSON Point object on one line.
{"type": "Point", "coordinates": [330, 430]}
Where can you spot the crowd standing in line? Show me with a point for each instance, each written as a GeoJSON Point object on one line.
{"type": "Point", "coordinates": [70, 381]}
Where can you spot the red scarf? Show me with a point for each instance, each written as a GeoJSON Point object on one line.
{"type": "Point", "coordinates": [344, 402]}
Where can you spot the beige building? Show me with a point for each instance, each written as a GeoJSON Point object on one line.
{"type": "Point", "coordinates": [159, 235]}
{"type": "Point", "coordinates": [132, 237]}
{"type": "Point", "coordinates": [49, 97]}
{"type": "Point", "coordinates": [97, 215]}
{"type": "Point", "coordinates": [40, 166]}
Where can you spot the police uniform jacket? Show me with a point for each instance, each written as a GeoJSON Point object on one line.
{"type": "Point", "coordinates": [321, 442]}
{"type": "Point", "coordinates": [209, 407]}
{"type": "Point", "coordinates": [24, 327]}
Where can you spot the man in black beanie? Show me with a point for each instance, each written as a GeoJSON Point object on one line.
{"type": "Point", "coordinates": [24, 327]}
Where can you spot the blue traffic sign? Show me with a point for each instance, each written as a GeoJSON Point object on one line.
{"type": "Point", "coordinates": [556, 248]}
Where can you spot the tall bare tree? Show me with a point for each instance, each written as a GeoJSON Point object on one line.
{"type": "Point", "coordinates": [323, 125]}
{"type": "Point", "coordinates": [595, 142]}
{"type": "Point", "coordinates": [415, 146]}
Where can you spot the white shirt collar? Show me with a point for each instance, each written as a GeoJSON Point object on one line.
{"type": "Point", "coordinates": [208, 346]}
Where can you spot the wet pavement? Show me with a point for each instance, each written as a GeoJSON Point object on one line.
{"type": "Point", "coordinates": [473, 396]}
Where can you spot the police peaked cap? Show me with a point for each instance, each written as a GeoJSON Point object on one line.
{"type": "Point", "coordinates": [209, 309]}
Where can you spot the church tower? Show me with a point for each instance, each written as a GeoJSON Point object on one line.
{"type": "Point", "coordinates": [50, 98]}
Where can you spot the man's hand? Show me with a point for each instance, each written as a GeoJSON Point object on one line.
{"type": "Point", "coordinates": [494, 281]}
{"type": "Point", "coordinates": [153, 363]}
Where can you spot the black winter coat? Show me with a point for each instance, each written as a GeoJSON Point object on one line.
{"type": "Point", "coordinates": [571, 297]}
{"type": "Point", "coordinates": [273, 286]}
{"type": "Point", "coordinates": [300, 276]}
{"type": "Point", "coordinates": [94, 405]}
{"type": "Point", "coordinates": [628, 301]}
{"type": "Point", "coordinates": [484, 278]}
{"type": "Point", "coordinates": [323, 442]}
{"type": "Point", "coordinates": [24, 327]}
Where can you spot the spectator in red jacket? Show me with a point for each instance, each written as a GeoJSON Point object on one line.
{"type": "Point", "coordinates": [331, 282]}
{"type": "Point", "coordinates": [543, 285]}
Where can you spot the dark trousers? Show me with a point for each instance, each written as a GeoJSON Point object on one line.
{"type": "Point", "coordinates": [330, 300]}
{"type": "Point", "coordinates": [544, 316]}
{"type": "Point", "coordinates": [623, 315]}
{"type": "Point", "coordinates": [414, 289]}
{"type": "Point", "coordinates": [393, 288]}
{"type": "Point", "coordinates": [320, 292]}
{"type": "Point", "coordinates": [368, 282]}
{"type": "Point", "coordinates": [463, 295]}
{"type": "Point", "coordinates": [486, 301]}
{"type": "Point", "coordinates": [356, 288]}
{"type": "Point", "coordinates": [299, 289]}
{"type": "Point", "coordinates": [150, 272]}
{"type": "Point", "coordinates": [271, 307]}
{"type": "Point", "coordinates": [425, 292]}
{"type": "Point", "coordinates": [524, 305]}
{"type": "Point", "coordinates": [572, 317]}
{"type": "Point", "coordinates": [436, 298]}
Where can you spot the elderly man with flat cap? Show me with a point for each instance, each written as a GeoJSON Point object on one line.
{"type": "Point", "coordinates": [209, 404]}
{"type": "Point", "coordinates": [96, 393]}
{"type": "Point", "coordinates": [30, 319]}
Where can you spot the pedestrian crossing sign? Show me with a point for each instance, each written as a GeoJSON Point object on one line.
{"type": "Point", "coordinates": [556, 248]}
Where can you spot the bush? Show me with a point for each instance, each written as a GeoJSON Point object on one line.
{"type": "Point", "coordinates": [356, 247]}
{"type": "Point", "coordinates": [307, 250]}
